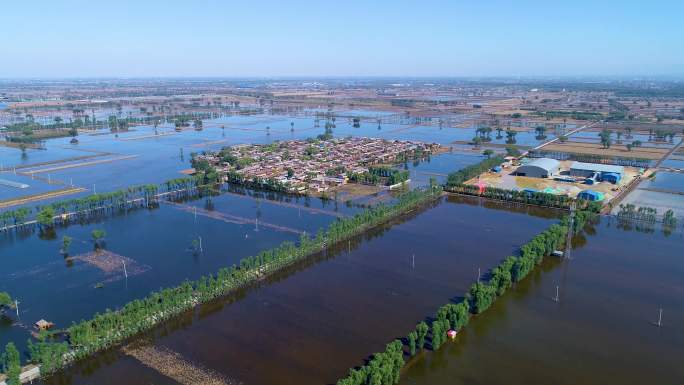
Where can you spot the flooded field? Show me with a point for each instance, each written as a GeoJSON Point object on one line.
{"type": "Point", "coordinates": [234, 225]}
{"type": "Point", "coordinates": [672, 181]}
{"type": "Point", "coordinates": [158, 246]}
{"type": "Point", "coordinates": [105, 161]}
{"type": "Point", "coordinates": [310, 324]}
{"type": "Point", "coordinates": [600, 332]}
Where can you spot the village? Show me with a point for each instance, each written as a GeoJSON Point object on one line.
{"type": "Point", "coordinates": [316, 165]}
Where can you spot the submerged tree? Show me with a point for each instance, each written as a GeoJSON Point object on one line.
{"type": "Point", "coordinates": [510, 136]}
{"type": "Point", "coordinates": [412, 340]}
{"type": "Point", "coordinates": [6, 300]}
{"type": "Point", "coordinates": [46, 217]}
{"type": "Point", "coordinates": [422, 330]}
{"type": "Point", "coordinates": [669, 218]}
{"type": "Point", "coordinates": [66, 242]}
{"type": "Point", "coordinates": [98, 237]}
{"type": "Point", "coordinates": [606, 140]}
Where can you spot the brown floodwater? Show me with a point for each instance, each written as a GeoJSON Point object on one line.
{"type": "Point", "coordinates": [600, 332]}
{"type": "Point", "coordinates": [310, 324]}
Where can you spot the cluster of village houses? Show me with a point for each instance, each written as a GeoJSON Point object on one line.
{"type": "Point", "coordinates": [314, 165]}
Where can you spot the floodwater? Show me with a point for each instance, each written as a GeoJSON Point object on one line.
{"type": "Point", "coordinates": [600, 332]}
{"type": "Point", "coordinates": [673, 162]}
{"type": "Point", "coordinates": [309, 325]}
{"type": "Point", "coordinates": [672, 181]}
{"type": "Point", "coordinates": [157, 247]}
{"type": "Point", "coordinates": [664, 192]}
{"type": "Point", "coordinates": [156, 156]}
{"type": "Point", "coordinates": [34, 271]}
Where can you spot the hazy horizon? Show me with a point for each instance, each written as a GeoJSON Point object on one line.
{"type": "Point", "coordinates": [305, 39]}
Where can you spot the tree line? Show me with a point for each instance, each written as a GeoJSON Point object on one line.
{"type": "Point", "coordinates": [537, 198]}
{"type": "Point", "coordinates": [384, 368]}
{"type": "Point", "coordinates": [99, 203]}
{"type": "Point", "coordinates": [375, 175]}
{"type": "Point", "coordinates": [461, 176]}
{"type": "Point", "coordinates": [112, 327]}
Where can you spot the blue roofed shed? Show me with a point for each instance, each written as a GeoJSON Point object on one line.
{"type": "Point", "coordinates": [586, 170]}
{"type": "Point", "coordinates": [591, 195]}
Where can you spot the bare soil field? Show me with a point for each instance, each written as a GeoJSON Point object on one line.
{"type": "Point", "coordinates": [173, 365]}
{"type": "Point", "coordinates": [355, 190]}
{"type": "Point", "coordinates": [112, 264]}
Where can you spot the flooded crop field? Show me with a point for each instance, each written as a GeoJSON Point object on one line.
{"type": "Point", "coordinates": [601, 331]}
{"type": "Point", "coordinates": [160, 244]}
{"type": "Point", "coordinates": [309, 324]}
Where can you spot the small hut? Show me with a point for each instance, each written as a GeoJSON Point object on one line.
{"type": "Point", "coordinates": [44, 325]}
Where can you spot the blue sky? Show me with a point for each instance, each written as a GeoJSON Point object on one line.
{"type": "Point", "coordinates": [74, 38]}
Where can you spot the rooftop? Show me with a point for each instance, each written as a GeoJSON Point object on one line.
{"type": "Point", "coordinates": [597, 167]}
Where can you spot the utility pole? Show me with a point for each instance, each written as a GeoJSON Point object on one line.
{"type": "Point", "coordinates": [556, 298]}
{"type": "Point", "coordinates": [478, 275]}
{"type": "Point", "coordinates": [660, 317]}
{"type": "Point", "coordinates": [200, 244]}
{"type": "Point", "coordinates": [16, 306]}
{"type": "Point", "coordinates": [124, 267]}
{"type": "Point", "coordinates": [413, 261]}
{"type": "Point", "coordinates": [568, 241]}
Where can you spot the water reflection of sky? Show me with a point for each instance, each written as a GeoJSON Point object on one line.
{"type": "Point", "coordinates": [158, 158]}
{"type": "Point", "coordinates": [666, 180]}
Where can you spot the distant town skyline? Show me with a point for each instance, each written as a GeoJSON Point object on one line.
{"type": "Point", "coordinates": [76, 38]}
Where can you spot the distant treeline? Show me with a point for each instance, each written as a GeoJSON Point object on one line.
{"type": "Point", "coordinates": [577, 115]}
{"type": "Point", "coordinates": [592, 158]}
{"type": "Point", "coordinates": [384, 368]}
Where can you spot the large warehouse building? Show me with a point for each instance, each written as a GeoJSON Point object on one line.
{"type": "Point", "coordinates": [606, 172]}
{"type": "Point", "coordinates": [539, 168]}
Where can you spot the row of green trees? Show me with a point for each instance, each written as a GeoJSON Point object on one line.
{"type": "Point", "coordinates": [381, 370]}
{"type": "Point", "coordinates": [375, 175]}
{"type": "Point", "coordinates": [100, 203]}
{"type": "Point", "coordinates": [111, 327]}
{"type": "Point", "coordinates": [15, 217]}
{"type": "Point", "coordinates": [459, 177]}
{"type": "Point", "coordinates": [646, 214]}
{"type": "Point", "coordinates": [528, 197]}
{"type": "Point", "coordinates": [270, 184]}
